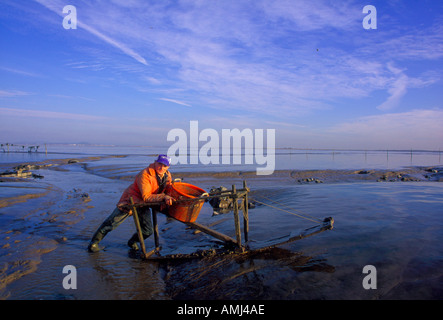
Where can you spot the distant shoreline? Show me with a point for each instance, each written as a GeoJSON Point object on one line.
{"type": "Point", "coordinates": [24, 170]}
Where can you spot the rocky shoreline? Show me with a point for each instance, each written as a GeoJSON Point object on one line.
{"type": "Point", "coordinates": [415, 174]}
{"type": "Point", "coordinates": [24, 170]}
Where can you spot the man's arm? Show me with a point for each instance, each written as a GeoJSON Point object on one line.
{"type": "Point", "coordinates": [146, 186]}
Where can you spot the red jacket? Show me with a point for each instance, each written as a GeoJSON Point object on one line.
{"type": "Point", "coordinates": [145, 188]}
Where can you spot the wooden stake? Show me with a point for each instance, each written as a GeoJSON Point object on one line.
{"type": "Point", "coordinates": [236, 217]}
{"type": "Point", "coordinates": [137, 226]}
{"type": "Point", "coordinates": [245, 213]}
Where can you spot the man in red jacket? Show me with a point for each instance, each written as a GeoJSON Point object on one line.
{"type": "Point", "coordinates": [148, 187]}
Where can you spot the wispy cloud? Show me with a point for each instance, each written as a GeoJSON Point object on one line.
{"type": "Point", "coordinates": [62, 96]}
{"type": "Point", "coordinates": [21, 72]}
{"type": "Point", "coordinates": [13, 93]}
{"type": "Point", "coordinates": [419, 128]}
{"type": "Point", "coordinates": [176, 101]}
{"type": "Point", "coordinates": [259, 56]}
{"type": "Point", "coordinates": [57, 6]}
{"type": "Point", "coordinates": [314, 14]}
{"type": "Point", "coordinates": [114, 43]}
{"type": "Point", "coordinates": [26, 113]}
{"type": "Point", "coordinates": [423, 43]}
{"type": "Point", "coordinates": [397, 91]}
{"type": "Point", "coordinates": [278, 62]}
{"type": "Point", "coordinates": [398, 85]}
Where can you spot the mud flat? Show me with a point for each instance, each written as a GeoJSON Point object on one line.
{"type": "Point", "coordinates": [34, 214]}
{"type": "Point", "coordinates": [328, 176]}
{"type": "Point", "coordinates": [391, 219]}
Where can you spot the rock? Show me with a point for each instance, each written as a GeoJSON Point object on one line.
{"type": "Point", "coordinates": [77, 193]}
{"type": "Point", "coordinates": [310, 180]}
{"type": "Point", "coordinates": [409, 178]}
{"type": "Point", "coordinates": [16, 174]}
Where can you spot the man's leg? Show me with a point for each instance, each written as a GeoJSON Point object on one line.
{"type": "Point", "coordinates": [111, 222]}
{"type": "Point", "coordinates": [144, 216]}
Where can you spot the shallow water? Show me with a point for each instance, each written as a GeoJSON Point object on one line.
{"type": "Point", "coordinates": [47, 223]}
{"type": "Point", "coordinates": [395, 226]}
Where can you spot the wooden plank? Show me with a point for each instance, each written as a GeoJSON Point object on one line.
{"type": "Point", "coordinates": [211, 232]}
{"type": "Point", "coordinates": [150, 253]}
{"type": "Point", "coordinates": [213, 224]}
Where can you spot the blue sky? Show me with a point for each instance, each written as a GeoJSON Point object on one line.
{"type": "Point", "coordinates": [135, 69]}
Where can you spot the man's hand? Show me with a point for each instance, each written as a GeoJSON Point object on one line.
{"type": "Point", "coordinates": [168, 200]}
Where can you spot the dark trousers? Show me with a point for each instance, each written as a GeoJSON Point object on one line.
{"type": "Point", "coordinates": [117, 217]}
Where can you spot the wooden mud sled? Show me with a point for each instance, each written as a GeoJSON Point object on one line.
{"type": "Point", "coordinates": [186, 208]}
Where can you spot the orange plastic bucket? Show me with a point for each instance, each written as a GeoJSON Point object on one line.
{"type": "Point", "coordinates": [185, 211]}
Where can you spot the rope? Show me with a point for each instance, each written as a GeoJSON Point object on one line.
{"type": "Point", "coordinates": [287, 211]}
{"type": "Point", "coordinates": [282, 204]}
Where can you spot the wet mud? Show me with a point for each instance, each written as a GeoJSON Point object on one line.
{"type": "Point", "coordinates": [236, 276]}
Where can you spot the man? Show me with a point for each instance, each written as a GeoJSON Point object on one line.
{"type": "Point", "coordinates": [148, 187]}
